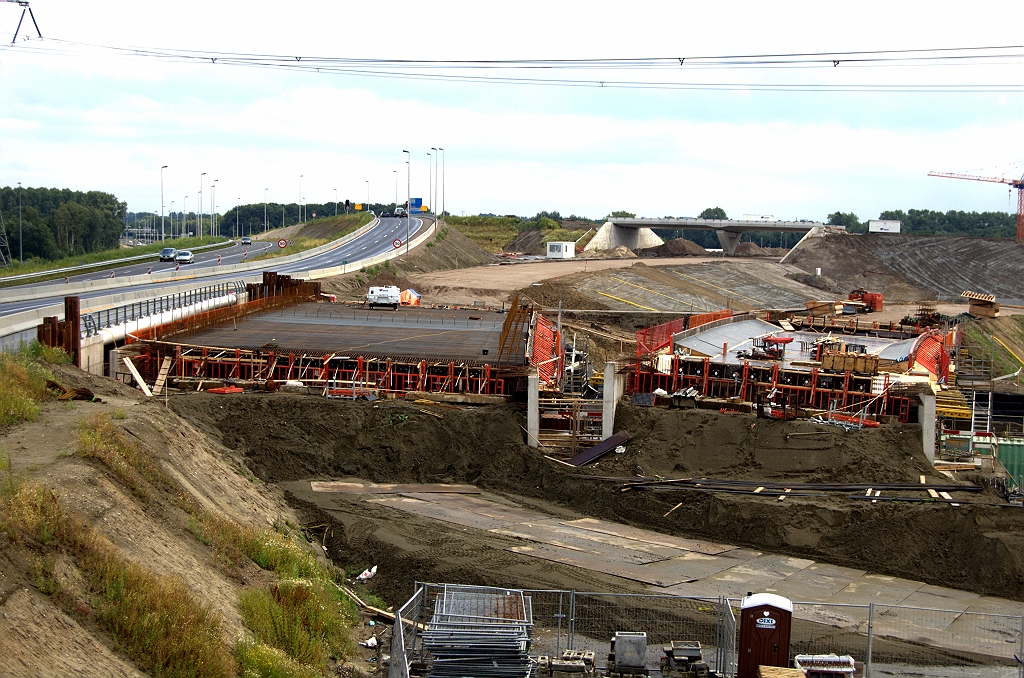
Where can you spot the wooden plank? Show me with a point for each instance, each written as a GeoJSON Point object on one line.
{"type": "Point", "coordinates": [138, 377]}
{"type": "Point", "coordinates": [932, 493]}
{"type": "Point", "coordinates": [389, 488]}
{"type": "Point", "coordinates": [165, 367]}
{"type": "Point", "coordinates": [601, 449]}
{"type": "Point", "coordinates": [786, 325]}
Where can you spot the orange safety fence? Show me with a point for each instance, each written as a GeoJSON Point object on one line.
{"type": "Point", "coordinates": [547, 351]}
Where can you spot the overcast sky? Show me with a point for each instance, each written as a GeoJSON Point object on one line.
{"type": "Point", "coordinates": [73, 116]}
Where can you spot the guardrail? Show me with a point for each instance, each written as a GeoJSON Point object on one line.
{"type": "Point", "coordinates": [94, 322]}
{"type": "Point", "coordinates": [46, 291]}
{"type": "Point", "coordinates": [83, 267]}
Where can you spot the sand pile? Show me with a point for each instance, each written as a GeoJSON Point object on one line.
{"type": "Point", "coordinates": [750, 249]}
{"type": "Point", "coordinates": [620, 252]}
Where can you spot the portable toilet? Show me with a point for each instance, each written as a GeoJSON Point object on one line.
{"type": "Point", "coordinates": [765, 621]}
{"type": "Point", "coordinates": [561, 250]}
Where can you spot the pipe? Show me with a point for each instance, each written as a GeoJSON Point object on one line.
{"type": "Point", "coordinates": [117, 333]}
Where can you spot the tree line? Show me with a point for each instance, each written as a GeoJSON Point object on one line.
{"type": "Point", "coordinates": [59, 222]}
{"type": "Point", "coordinates": [931, 222]}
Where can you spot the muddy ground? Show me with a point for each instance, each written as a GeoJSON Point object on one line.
{"type": "Point", "coordinates": [285, 438]}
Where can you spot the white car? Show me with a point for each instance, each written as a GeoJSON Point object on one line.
{"type": "Point", "coordinates": [184, 257]}
{"type": "Point", "coordinates": [384, 296]}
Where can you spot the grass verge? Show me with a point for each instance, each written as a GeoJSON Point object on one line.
{"type": "Point", "coordinates": [23, 379]}
{"type": "Point", "coordinates": [98, 259]}
{"type": "Point", "coordinates": [155, 619]}
{"type": "Point", "coordinates": [256, 660]}
{"type": "Point", "coordinates": [99, 438]}
{"type": "Point", "coordinates": [490, 233]}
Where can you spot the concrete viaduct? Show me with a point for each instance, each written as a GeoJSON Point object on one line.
{"type": "Point", "coordinates": [637, 233]}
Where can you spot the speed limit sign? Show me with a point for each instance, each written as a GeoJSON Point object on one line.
{"type": "Point", "coordinates": [282, 243]}
{"type": "Point", "coordinates": [397, 243]}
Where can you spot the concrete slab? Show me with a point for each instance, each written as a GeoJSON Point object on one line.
{"type": "Point", "coordinates": [878, 589]}
{"type": "Point", "coordinates": [557, 534]}
{"type": "Point", "coordinates": [649, 537]}
{"type": "Point", "coordinates": [815, 582]}
{"type": "Point", "coordinates": [938, 598]}
{"type": "Point", "coordinates": [388, 488]}
{"type": "Point", "coordinates": [753, 575]}
{"type": "Point", "coordinates": [502, 512]}
{"type": "Point", "coordinates": [445, 513]}
{"type": "Point", "coordinates": [641, 573]}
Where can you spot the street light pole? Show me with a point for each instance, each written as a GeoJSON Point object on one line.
{"type": "Point", "coordinates": [300, 198]}
{"type": "Point", "coordinates": [335, 202]}
{"type": "Point", "coordinates": [367, 196]}
{"type": "Point", "coordinates": [238, 201]}
{"type": "Point", "coordinates": [213, 207]}
{"type": "Point", "coordinates": [264, 210]}
{"type": "Point", "coordinates": [396, 187]}
{"type": "Point", "coordinates": [172, 219]}
{"type": "Point", "coordinates": [21, 248]}
{"type": "Point", "coordinates": [430, 180]}
{"type": "Point", "coordinates": [442, 181]}
{"type": "Point", "coordinates": [199, 231]}
{"type": "Point", "coordinates": [433, 201]}
{"type": "Point", "coordinates": [162, 202]}
{"type": "Point", "coordinates": [408, 196]}
{"type": "Point", "coordinates": [184, 217]}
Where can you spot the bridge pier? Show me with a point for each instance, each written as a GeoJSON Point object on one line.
{"type": "Point", "coordinates": [729, 240]}
{"type": "Point", "coordinates": [610, 236]}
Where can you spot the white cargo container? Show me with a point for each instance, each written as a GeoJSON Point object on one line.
{"type": "Point", "coordinates": [561, 250]}
{"type": "Point", "coordinates": [384, 296]}
{"type": "Point", "coordinates": [883, 226]}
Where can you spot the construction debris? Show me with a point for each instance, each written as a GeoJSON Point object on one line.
{"type": "Point", "coordinates": [65, 393]}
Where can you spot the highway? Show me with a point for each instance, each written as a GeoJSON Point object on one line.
{"type": "Point", "coordinates": [376, 241]}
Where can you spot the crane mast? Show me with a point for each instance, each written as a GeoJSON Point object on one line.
{"type": "Point", "coordinates": [1015, 183]}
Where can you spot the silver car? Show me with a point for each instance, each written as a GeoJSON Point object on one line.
{"type": "Point", "coordinates": [184, 257]}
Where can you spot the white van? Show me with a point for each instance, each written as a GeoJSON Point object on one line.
{"type": "Point", "coordinates": [384, 296]}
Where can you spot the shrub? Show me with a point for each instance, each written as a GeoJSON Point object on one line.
{"type": "Point", "coordinates": [22, 387]}
{"type": "Point", "coordinates": [256, 660]}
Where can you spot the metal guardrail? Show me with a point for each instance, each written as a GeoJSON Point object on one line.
{"type": "Point", "coordinates": [83, 267]}
{"type": "Point", "coordinates": [94, 322]}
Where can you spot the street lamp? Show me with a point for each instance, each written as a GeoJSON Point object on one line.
{"type": "Point", "coordinates": [264, 210]}
{"type": "Point", "coordinates": [442, 181]}
{"type": "Point", "coordinates": [408, 196]}
{"type": "Point", "coordinates": [300, 198]}
{"type": "Point", "coordinates": [430, 179]}
{"type": "Point", "coordinates": [21, 249]}
{"type": "Point", "coordinates": [367, 195]}
{"type": "Point", "coordinates": [162, 202]}
{"type": "Point", "coordinates": [335, 202]}
{"type": "Point", "coordinates": [199, 231]}
{"type": "Point", "coordinates": [213, 209]}
{"type": "Point", "coordinates": [396, 187]}
{"type": "Point", "coordinates": [172, 218]}
{"type": "Point", "coordinates": [238, 201]}
{"type": "Point", "coordinates": [184, 217]}
{"type": "Point", "coordinates": [433, 202]}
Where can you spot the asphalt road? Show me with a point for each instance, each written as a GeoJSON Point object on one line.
{"type": "Point", "coordinates": [378, 240]}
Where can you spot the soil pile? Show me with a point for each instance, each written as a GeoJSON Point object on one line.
{"type": "Point", "coordinates": [529, 241]}
{"type": "Point", "coordinates": [916, 267]}
{"type": "Point", "coordinates": [975, 547]}
{"type": "Point", "coordinates": [563, 289]}
{"type": "Point", "coordinates": [750, 249]}
{"type": "Point", "coordinates": [680, 247]}
{"type": "Point", "coordinates": [620, 252]}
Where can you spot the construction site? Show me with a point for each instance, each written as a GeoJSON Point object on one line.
{"type": "Point", "coordinates": [610, 465]}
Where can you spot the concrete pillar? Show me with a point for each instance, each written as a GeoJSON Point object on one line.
{"type": "Point", "coordinates": [113, 358]}
{"type": "Point", "coordinates": [614, 387]}
{"type": "Point", "coordinates": [926, 415]}
{"type": "Point", "coordinates": [533, 408]}
{"type": "Point", "coordinates": [610, 236]}
{"type": "Point", "coordinates": [729, 240]}
{"type": "Point", "coordinates": [91, 352]}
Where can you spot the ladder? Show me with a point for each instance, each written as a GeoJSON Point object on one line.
{"type": "Point", "coordinates": [162, 377]}
{"type": "Point", "coordinates": [981, 420]}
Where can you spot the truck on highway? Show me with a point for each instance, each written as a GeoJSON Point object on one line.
{"type": "Point", "coordinates": [384, 296]}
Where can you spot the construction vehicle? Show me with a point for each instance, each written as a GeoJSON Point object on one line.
{"type": "Point", "coordinates": [766, 348]}
{"type": "Point", "coordinates": [872, 300]}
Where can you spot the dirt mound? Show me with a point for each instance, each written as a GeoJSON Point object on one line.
{"type": "Point", "coordinates": [620, 252]}
{"type": "Point", "coordinates": [680, 247]}
{"type": "Point", "coordinates": [916, 267]}
{"type": "Point", "coordinates": [750, 249]}
{"type": "Point", "coordinates": [976, 547]}
{"type": "Point", "coordinates": [529, 241]}
{"type": "Point", "coordinates": [564, 290]}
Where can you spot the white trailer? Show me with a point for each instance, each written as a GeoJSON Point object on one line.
{"type": "Point", "coordinates": [561, 250]}
{"type": "Point", "coordinates": [384, 296]}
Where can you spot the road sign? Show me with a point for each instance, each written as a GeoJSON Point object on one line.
{"type": "Point", "coordinates": [397, 243]}
{"type": "Point", "coordinates": [359, 207]}
{"type": "Point", "coordinates": [423, 208]}
{"type": "Point", "coordinates": [282, 243]}
{"type": "Point", "coordinates": [416, 203]}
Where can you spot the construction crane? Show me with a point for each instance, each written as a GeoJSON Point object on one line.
{"type": "Point", "coordinates": [1015, 183]}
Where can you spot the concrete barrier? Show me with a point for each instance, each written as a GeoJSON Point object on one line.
{"type": "Point", "coordinates": [73, 289]}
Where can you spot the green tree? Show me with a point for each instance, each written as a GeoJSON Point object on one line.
{"type": "Point", "coordinates": [547, 224]}
{"type": "Point", "coordinates": [622, 215]}
{"type": "Point", "coordinates": [713, 213]}
{"type": "Point", "coordinates": [848, 219]}
{"type": "Point", "coordinates": [37, 240]}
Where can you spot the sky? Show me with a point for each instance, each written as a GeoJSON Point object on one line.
{"type": "Point", "coordinates": [75, 114]}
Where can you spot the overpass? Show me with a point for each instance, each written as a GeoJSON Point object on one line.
{"type": "Point", "coordinates": [637, 233]}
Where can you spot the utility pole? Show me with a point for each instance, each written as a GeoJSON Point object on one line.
{"type": "Point", "coordinates": [408, 196]}
{"type": "Point", "coordinates": [162, 202]}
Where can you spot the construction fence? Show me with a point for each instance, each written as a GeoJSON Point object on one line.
{"type": "Point", "coordinates": [882, 639]}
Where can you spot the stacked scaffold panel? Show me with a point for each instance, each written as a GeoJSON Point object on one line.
{"type": "Point", "coordinates": [479, 631]}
